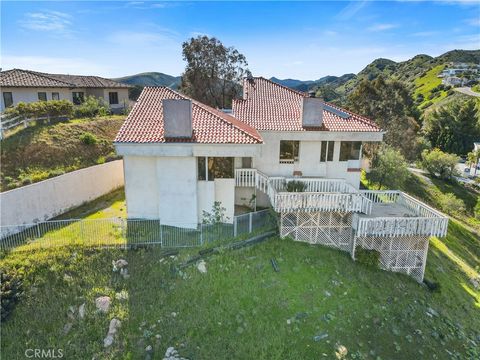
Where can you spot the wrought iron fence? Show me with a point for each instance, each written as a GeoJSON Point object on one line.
{"type": "Point", "coordinates": [129, 232]}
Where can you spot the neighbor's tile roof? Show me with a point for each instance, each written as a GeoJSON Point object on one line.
{"type": "Point", "coordinates": [28, 78]}
{"type": "Point", "coordinates": [144, 124]}
{"type": "Point", "coordinates": [270, 106]}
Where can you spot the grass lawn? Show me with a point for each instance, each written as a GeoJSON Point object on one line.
{"type": "Point", "coordinates": [425, 84]}
{"type": "Point", "coordinates": [241, 308]}
{"type": "Point", "coordinates": [47, 150]}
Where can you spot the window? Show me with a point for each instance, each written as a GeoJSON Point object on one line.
{"type": "Point", "coordinates": [7, 99]}
{"type": "Point", "coordinates": [78, 97]}
{"type": "Point", "coordinates": [246, 162]}
{"type": "Point", "coordinates": [202, 169]}
{"type": "Point", "coordinates": [42, 96]}
{"type": "Point", "coordinates": [289, 151]}
{"type": "Point", "coordinates": [326, 151]}
{"type": "Point", "coordinates": [350, 150]}
{"type": "Point", "coordinates": [211, 168]}
{"type": "Point", "coordinates": [113, 98]}
{"type": "Point", "coordinates": [55, 96]}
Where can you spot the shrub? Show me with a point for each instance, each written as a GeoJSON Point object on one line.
{"type": "Point", "coordinates": [476, 209]}
{"type": "Point", "coordinates": [216, 216]}
{"type": "Point", "coordinates": [91, 108]}
{"type": "Point", "coordinates": [439, 164]}
{"type": "Point", "coordinates": [296, 186]}
{"type": "Point", "coordinates": [389, 168]}
{"type": "Point", "coordinates": [367, 257]}
{"type": "Point", "coordinates": [37, 109]}
{"type": "Point", "coordinates": [450, 203]}
{"type": "Point", "coordinates": [88, 138]}
{"type": "Point", "coordinates": [11, 290]}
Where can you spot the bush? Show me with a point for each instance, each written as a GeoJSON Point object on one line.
{"type": "Point", "coordinates": [11, 290]}
{"type": "Point", "coordinates": [296, 186]}
{"type": "Point", "coordinates": [367, 257]}
{"type": "Point", "coordinates": [450, 204]}
{"type": "Point", "coordinates": [88, 138]}
{"type": "Point", "coordinates": [476, 209]}
{"type": "Point", "coordinates": [37, 109]}
{"type": "Point", "coordinates": [91, 108]}
{"type": "Point", "coordinates": [389, 168]}
{"type": "Point", "coordinates": [439, 164]}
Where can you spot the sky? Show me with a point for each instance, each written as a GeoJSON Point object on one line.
{"type": "Point", "coordinates": [300, 40]}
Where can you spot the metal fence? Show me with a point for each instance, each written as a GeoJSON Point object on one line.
{"type": "Point", "coordinates": [128, 233]}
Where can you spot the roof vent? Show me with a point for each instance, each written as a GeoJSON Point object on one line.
{"type": "Point", "coordinates": [177, 118]}
{"type": "Point", "coordinates": [312, 112]}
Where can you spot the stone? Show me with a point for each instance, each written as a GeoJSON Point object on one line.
{"type": "Point", "coordinates": [327, 293]}
{"type": "Point", "coordinates": [124, 273]}
{"type": "Point", "coordinates": [102, 303]}
{"type": "Point", "coordinates": [67, 277]}
{"type": "Point", "coordinates": [174, 314]}
{"type": "Point", "coordinates": [341, 352]}
{"type": "Point", "coordinates": [149, 348]}
{"type": "Point", "coordinates": [122, 295]}
{"type": "Point", "coordinates": [81, 311]}
{"type": "Point", "coordinates": [475, 283]}
{"type": "Point", "coordinates": [119, 264]}
{"type": "Point", "coordinates": [319, 337]}
{"type": "Point", "coordinates": [67, 328]}
{"type": "Point", "coordinates": [112, 330]}
{"type": "Point", "coordinates": [202, 266]}
{"type": "Point", "coordinates": [431, 312]}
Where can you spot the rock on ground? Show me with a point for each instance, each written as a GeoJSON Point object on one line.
{"type": "Point", "coordinates": [112, 330]}
{"type": "Point", "coordinates": [172, 354]}
{"type": "Point", "coordinates": [202, 266]}
{"type": "Point", "coordinates": [119, 264]}
{"type": "Point", "coordinates": [81, 311]}
{"type": "Point", "coordinates": [102, 303]}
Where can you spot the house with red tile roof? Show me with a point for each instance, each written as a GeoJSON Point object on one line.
{"type": "Point", "coordinates": [27, 86]}
{"type": "Point", "coordinates": [187, 153]}
{"type": "Point", "coordinates": [276, 148]}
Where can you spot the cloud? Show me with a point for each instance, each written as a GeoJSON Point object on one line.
{"type": "Point", "coordinates": [351, 9]}
{"type": "Point", "coordinates": [381, 27]}
{"type": "Point", "coordinates": [473, 21]}
{"type": "Point", "coordinates": [144, 38]}
{"type": "Point", "coordinates": [65, 65]}
{"type": "Point", "coordinates": [52, 21]}
{"type": "Point", "coordinates": [425, 33]}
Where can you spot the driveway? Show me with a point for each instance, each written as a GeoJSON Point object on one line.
{"type": "Point", "coordinates": [467, 91]}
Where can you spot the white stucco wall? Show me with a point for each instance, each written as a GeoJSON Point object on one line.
{"type": "Point", "coordinates": [49, 198]}
{"type": "Point", "coordinates": [225, 194]}
{"type": "Point", "coordinates": [309, 154]}
{"type": "Point", "coordinates": [205, 197]}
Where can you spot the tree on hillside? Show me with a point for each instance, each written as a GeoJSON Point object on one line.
{"type": "Point", "coordinates": [390, 105]}
{"type": "Point", "coordinates": [454, 128]}
{"type": "Point", "coordinates": [214, 72]}
{"type": "Point", "coordinates": [388, 168]}
{"type": "Point", "coordinates": [440, 164]}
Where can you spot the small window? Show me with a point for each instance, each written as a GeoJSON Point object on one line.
{"type": "Point", "coordinates": [289, 150]}
{"type": "Point", "coordinates": [246, 162]}
{"type": "Point", "coordinates": [113, 98]}
{"type": "Point", "coordinates": [42, 96]}
{"type": "Point", "coordinates": [202, 170]}
{"type": "Point", "coordinates": [78, 97]}
{"type": "Point", "coordinates": [55, 96]}
{"type": "Point", "coordinates": [7, 99]}
{"type": "Point", "coordinates": [350, 150]}
{"type": "Point", "coordinates": [326, 151]}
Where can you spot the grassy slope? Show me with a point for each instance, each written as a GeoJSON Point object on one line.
{"type": "Point", "coordinates": [425, 84]}
{"type": "Point", "coordinates": [240, 308]}
{"type": "Point", "coordinates": [40, 152]}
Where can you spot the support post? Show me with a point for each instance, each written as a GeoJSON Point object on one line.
{"type": "Point", "coordinates": [161, 232]}
{"type": "Point", "coordinates": [250, 222]}
{"type": "Point", "coordinates": [235, 221]}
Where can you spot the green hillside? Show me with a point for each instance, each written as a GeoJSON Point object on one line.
{"type": "Point", "coordinates": [151, 79]}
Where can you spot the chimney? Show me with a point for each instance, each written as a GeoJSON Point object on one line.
{"type": "Point", "coordinates": [177, 118]}
{"type": "Point", "coordinates": [312, 112]}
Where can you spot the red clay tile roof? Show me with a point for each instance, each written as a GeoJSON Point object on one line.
{"type": "Point", "coordinates": [144, 124]}
{"type": "Point", "coordinates": [28, 78]}
{"type": "Point", "coordinates": [270, 106]}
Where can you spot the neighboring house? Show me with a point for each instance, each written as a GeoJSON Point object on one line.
{"type": "Point", "coordinates": [454, 81]}
{"type": "Point", "coordinates": [29, 86]}
{"type": "Point", "coordinates": [181, 156]}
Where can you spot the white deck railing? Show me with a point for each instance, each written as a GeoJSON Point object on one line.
{"type": "Point", "coordinates": [424, 220]}
{"type": "Point", "coordinates": [320, 195]}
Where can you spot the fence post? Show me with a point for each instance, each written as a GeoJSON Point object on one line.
{"type": "Point", "coordinates": [82, 232]}
{"type": "Point", "coordinates": [250, 222]}
{"type": "Point", "coordinates": [235, 221]}
{"type": "Point", "coordinates": [38, 231]}
{"type": "Point", "coordinates": [201, 234]}
{"type": "Point", "coordinates": [161, 232]}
